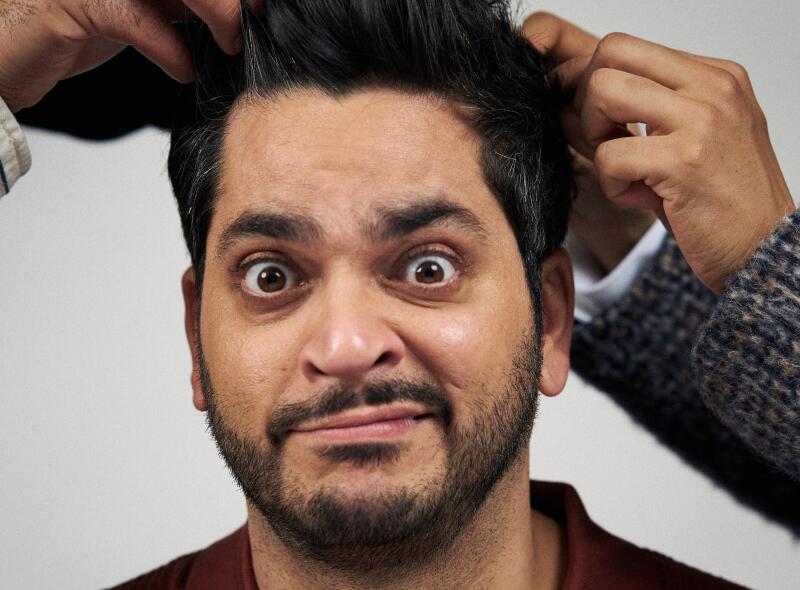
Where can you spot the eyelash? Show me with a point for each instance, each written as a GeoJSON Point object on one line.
{"type": "Point", "coordinates": [458, 266]}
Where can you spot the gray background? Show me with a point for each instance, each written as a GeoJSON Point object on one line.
{"type": "Point", "coordinates": [107, 470]}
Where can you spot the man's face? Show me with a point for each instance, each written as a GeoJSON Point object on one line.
{"type": "Point", "coordinates": [367, 349]}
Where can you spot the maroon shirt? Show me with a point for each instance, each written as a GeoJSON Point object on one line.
{"type": "Point", "coordinates": [596, 560]}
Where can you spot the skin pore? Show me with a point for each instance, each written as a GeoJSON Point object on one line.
{"type": "Point", "coordinates": [329, 270]}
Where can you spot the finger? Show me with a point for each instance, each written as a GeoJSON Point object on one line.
{"type": "Point", "coordinates": [147, 29]}
{"type": "Point", "coordinates": [572, 126]}
{"type": "Point", "coordinates": [95, 51]}
{"type": "Point", "coordinates": [733, 68]}
{"type": "Point", "coordinates": [581, 165]}
{"type": "Point", "coordinates": [615, 98]}
{"type": "Point", "coordinates": [570, 71]}
{"type": "Point", "coordinates": [223, 19]}
{"type": "Point", "coordinates": [638, 196]}
{"type": "Point", "coordinates": [556, 37]}
{"type": "Point", "coordinates": [177, 11]}
{"type": "Point", "coordinates": [628, 167]}
{"type": "Point", "coordinates": [697, 76]}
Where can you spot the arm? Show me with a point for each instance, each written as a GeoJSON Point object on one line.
{"type": "Point", "coordinates": [638, 351]}
{"type": "Point", "coordinates": [47, 44]}
{"type": "Point", "coordinates": [695, 168]}
{"type": "Point", "coordinates": [747, 356]}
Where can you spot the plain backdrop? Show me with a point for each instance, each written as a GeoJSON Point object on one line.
{"type": "Point", "coordinates": [108, 471]}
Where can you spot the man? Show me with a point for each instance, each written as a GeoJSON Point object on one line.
{"type": "Point", "coordinates": [743, 433]}
{"type": "Point", "coordinates": [377, 291]}
{"type": "Point", "coordinates": [326, 355]}
{"type": "Point", "coordinates": [376, 294]}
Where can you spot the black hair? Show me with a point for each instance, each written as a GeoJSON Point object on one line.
{"type": "Point", "coordinates": [466, 51]}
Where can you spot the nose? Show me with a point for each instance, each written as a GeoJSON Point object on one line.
{"type": "Point", "coordinates": [350, 341]}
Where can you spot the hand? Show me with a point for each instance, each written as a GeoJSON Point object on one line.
{"type": "Point", "coordinates": [608, 230]}
{"type": "Point", "coordinates": [706, 165]}
{"type": "Point", "coordinates": [42, 43]}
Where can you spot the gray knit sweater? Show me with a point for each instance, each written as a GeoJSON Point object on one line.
{"type": "Point", "coordinates": [717, 380]}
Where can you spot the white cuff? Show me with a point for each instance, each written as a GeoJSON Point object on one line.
{"type": "Point", "coordinates": [594, 292]}
{"type": "Point", "coordinates": [15, 156]}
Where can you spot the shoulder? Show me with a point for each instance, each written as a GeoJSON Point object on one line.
{"type": "Point", "coordinates": [673, 574]}
{"type": "Point", "coordinates": [171, 576]}
{"type": "Point", "coordinates": [222, 565]}
{"type": "Point", "coordinates": [602, 561]}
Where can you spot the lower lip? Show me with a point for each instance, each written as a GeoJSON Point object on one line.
{"type": "Point", "coordinates": [372, 431]}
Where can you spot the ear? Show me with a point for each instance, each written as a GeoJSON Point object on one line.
{"type": "Point", "coordinates": [190, 302]}
{"type": "Point", "coordinates": [558, 300]}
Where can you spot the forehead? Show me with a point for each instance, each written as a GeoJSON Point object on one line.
{"type": "Point", "coordinates": [326, 156]}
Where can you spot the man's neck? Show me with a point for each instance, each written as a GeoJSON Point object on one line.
{"type": "Point", "coordinates": [507, 545]}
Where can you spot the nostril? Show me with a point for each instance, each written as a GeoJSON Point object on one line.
{"type": "Point", "coordinates": [383, 358]}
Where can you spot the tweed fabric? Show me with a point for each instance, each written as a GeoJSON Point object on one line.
{"type": "Point", "coordinates": [639, 352]}
{"type": "Point", "coordinates": [747, 357]}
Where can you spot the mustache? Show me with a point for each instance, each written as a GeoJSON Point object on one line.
{"type": "Point", "coordinates": [338, 399]}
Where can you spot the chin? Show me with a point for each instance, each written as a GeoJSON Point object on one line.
{"type": "Point", "coordinates": [350, 482]}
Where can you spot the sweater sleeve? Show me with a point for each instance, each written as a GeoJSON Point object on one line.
{"type": "Point", "coordinates": [747, 356]}
{"type": "Point", "coordinates": [15, 157]}
{"type": "Point", "coordinates": [638, 352]}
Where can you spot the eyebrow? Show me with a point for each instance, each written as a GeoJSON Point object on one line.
{"type": "Point", "coordinates": [289, 227]}
{"type": "Point", "coordinates": [389, 223]}
{"type": "Point", "coordinates": [396, 222]}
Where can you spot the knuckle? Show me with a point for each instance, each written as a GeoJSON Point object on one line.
{"type": "Point", "coordinates": [602, 158]}
{"type": "Point", "coordinates": [542, 28]}
{"type": "Point", "coordinates": [611, 44]}
{"type": "Point", "coordinates": [732, 98]}
{"type": "Point", "coordinates": [727, 85]}
{"type": "Point", "coordinates": [599, 80]}
{"type": "Point", "coordinates": [540, 19]}
{"type": "Point", "coordinates": [692, 153]}
{"type": "Point", "coordinates": [737, 70]}
{"type": "Point", "coordinates": [759, 118]}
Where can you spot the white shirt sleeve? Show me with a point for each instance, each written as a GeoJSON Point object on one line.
{"type": "Point", "coordinates": [594, 291]}
{"type": "Point", "coordinates": [15, 156]}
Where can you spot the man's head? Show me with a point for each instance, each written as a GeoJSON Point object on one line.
{"type": "Point", "coordinates": [373, 200]}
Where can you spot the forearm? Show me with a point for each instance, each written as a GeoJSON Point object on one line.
{"type": "Point", "coordinates": [747, 356]}
{"type": "Point", "coordinates": [638, 351]}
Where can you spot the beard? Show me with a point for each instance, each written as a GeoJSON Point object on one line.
{"type": "Point", "coordinates": [395, 529]}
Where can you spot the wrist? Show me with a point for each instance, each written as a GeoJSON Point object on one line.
{"type": "Point", "coordinates": [595, 290]}
{"type": "Point", "coordinates": [610, 241]}
{"type": "Point", "coordinates": [761, 228]}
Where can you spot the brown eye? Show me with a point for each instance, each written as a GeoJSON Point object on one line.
{"type": "Point", "coordinates": [429, 270]}
{"type": "Point", "coordinates": [269, 277]}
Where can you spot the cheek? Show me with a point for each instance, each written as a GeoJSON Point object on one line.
{"type": "Point", "coordinates": [471, 348]}
{"type": "Point", "coordinates": [249, 367]}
